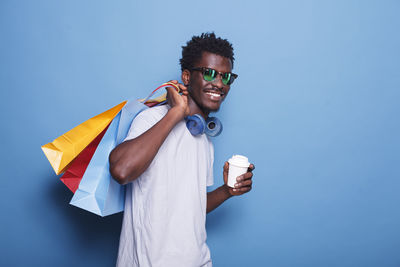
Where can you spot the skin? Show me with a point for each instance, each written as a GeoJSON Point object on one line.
{"type": "Point", "coordinates": [131, 158]}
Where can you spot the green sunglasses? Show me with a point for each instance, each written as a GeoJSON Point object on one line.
{"type": "Point", "coordinates": [209, 75]}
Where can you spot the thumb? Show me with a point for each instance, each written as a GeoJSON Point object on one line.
{"type": "Point", "coordinates": [171, 95]}
{"type": "Point", "coordinates": [225, 172]}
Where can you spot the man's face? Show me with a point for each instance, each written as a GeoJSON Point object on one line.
{"type": "Point", "coordinates": [208, 95]}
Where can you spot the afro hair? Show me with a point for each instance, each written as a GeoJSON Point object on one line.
{"type": "Point", "coordinates": [206, 42]}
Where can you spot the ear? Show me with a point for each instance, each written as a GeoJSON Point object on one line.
{"type": "Point", "coordinates": [186, 77]}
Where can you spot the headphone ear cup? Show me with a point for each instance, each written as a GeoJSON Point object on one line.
{"type": "Point", "coordinates": [213, 126]}
{"type": "Point", "coordinates": [195, 124]}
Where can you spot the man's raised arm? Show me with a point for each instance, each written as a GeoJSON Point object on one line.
{"type": "Point", "coordinates": [131, 158]}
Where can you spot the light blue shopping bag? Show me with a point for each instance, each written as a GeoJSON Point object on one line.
{"type": "Point", "coordinates": [98, 192]}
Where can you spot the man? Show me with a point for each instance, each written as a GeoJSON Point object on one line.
{"type": "Point", "coordinates": [167, 169]}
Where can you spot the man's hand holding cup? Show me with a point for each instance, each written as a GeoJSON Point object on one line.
{"type": "Point", "coordinates": [238, 174]}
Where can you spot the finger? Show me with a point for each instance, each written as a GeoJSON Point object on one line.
{"type": "Point", "coordinates": [171, 91]}
{"type": "Point", "coordinates": [244, 189]}
{"type": "Point", "coordinates": [246, 176]}
{"type": "Point", "coordinates": [244, 183]}
{"type": "Point", "coordinates": [171, 96]}
{"type": "Point", "coordinates": [179, 85]}
{"type": "Point", "coordinates": [182, 87]}
{"type": "Point", "coordinates": [168, 97]}
{"type": "Point", "coordinates": [175, 84]}
{"type": "Point", "coordinates": [185, 92]}
{"type": "Point", "coordinates": [226, 167]}
{"type": "Point", "coordinates": [251, 167]}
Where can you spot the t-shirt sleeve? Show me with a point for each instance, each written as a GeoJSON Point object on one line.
{"type": "Point", "coordinates": [143, 121]}
{"type": "Point", "coordinates": [210, 174]}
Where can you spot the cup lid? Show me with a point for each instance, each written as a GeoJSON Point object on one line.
{"type": "Point", "coordinates": [239, 160]}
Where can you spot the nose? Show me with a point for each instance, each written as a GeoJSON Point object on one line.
{"type": "Point", "coordinates": [218, 81]}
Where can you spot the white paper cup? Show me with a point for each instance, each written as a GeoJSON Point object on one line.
{"type": "Point", "coordinates": [238, 165]}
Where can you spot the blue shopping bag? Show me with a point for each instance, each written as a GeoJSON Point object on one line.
{"type": "Point", "coordinates": [98, 192]}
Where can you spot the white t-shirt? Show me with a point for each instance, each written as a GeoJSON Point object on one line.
{"type": "Point", "coordinates": [165, 208]}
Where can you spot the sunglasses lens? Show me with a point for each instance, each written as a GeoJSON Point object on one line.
{"type": "Point", "coordinates": [226, 78]}
{"type": "Point", "coordinates": [209, 75]}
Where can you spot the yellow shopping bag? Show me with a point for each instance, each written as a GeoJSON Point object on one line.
{"type": "Point", "coordinates": [67, 147]}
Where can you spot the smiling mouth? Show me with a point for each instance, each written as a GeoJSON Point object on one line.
{"type": "Point", "coordinates": [215, 95]}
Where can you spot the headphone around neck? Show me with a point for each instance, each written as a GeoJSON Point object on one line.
{"type": "Point", "coordinates": [197, 125]}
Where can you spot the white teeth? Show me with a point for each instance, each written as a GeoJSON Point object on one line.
{"type": "Point", "coordinates": [213, 94]}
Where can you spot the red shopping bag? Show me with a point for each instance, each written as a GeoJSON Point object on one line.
{"type": "Point", "coordinates": [73, 176]}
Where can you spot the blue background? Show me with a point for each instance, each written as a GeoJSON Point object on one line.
{"type": "Point", "coordinates": [315, 107]}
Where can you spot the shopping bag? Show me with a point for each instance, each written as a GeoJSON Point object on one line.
{"type": "Point", "coordinates": [67, 147]}
{"type": "Point", "coordinates": [76, 169]}
{"type": "Point", "coordinates": [82, 153]}
{"type": "Point", "coordinates": [73, 175]}
{"type": "Point", "coordinates": [98, 192]}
